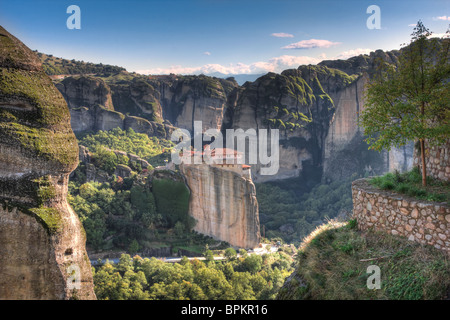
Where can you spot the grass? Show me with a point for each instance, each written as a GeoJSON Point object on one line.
{"type": "Point", "coordinates": [410, 184]}
{"type": "Point", "coordinates": [50, 216]}
{"type": "Point", "coordinates": [333, 263]}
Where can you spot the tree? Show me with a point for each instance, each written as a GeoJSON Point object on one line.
{"type": "Point", "coordinates": [179, 228]}
{"type": "Point", "coordinates": [133, 247]}
{"type": "Point", "coordinates": [252, 263]}
{"type": "Point", "coordinates": [243, 253]}
{"type": "Point", "coordinates": [209, 256]}
{"type": "Point", "coordinates": [106, 159]}
{"type": "Point", "coordinates": [410, 101]}
{"type": "Point", "coordinates": [230, 254]}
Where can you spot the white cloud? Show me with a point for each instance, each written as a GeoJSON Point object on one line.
{"type": "Point", "coordinates": [443, 18]}
{"type": "Point", "coordinates": [282, 35]}
{"type": "Point", "coordinates": [354, 52]}
{"type": "Point", "coordinates": [207, 53]}
{"type": "Point", "coordinates": [439, 35]}
{"type": "Point", "coordinates": [323, 56]}
{"type": "Point", "coordinates": [310, 44]}
{"type": "Point", "coordinates": [412, 24]}
{"type": "Point", "coordinates": [276, 64]}
{"type": "Point", "coordinates": [281, 63]}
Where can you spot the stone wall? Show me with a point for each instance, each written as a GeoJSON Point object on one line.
{"type": "Point", "coordinates": [437, 161]}
{"type": "Point", "coordinates": [421, 221]}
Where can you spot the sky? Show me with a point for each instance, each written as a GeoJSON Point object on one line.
{"type": "Point", "coordinates": [226, 36]}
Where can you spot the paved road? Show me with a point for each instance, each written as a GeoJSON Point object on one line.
{"type": "Point", "coordinates": [258, 251]}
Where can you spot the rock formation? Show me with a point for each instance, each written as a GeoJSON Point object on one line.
{"type": "Point", "coordinates": [85, 92]}
{"type": "Point", "coordinates": [42, 242]}
{"type": "Point", "coordinates": [223, 203]}
{"type": "Point", "coordinates": [314, 107]}
{"type": "Point", "coordinates": [98, 118]}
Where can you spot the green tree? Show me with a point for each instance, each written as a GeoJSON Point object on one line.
{"type": "Point", "coordinates": [230, 254]}
{"type": "Point", "coordinates": [213, 284]}
{"type": "Point", "coordinates": [209, 256]}
{"type": "Point", "coordinates": [410, 101]}
{"type": "Point", "coordinates": [106, 159]}
{"type": "Point", "coordinates": [179, 228]}
{"type": "Point", "coordinates": [242, 288]}
{"type": "Point", "coordinates": [252, 263]}
{"type": "Point", "coordinates": [243, 253]}
{"type": "Point", "coordinates": [125, 263]}
{"type": "Point", "coordinates": [133, 247]}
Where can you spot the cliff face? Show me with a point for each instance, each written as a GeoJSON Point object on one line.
{"type": "Point", "coordinates": [96, 105]}
{"type": "Point", "coordinates": [177, 101]}
{"type": "Point", "coordinates": [42, 242]}
{"type": "Point", "coordinates": [224, 204]}
{"type": "Point", "coordinates": [98, 118]}
{"type": "Point", "coordinates": [300, 103]}
{"type": "Point", "coordinates": [85, 92]}
{"type": "Point", "coordinates": [195, 98]}
{"type": "Point", "coordinates": [314, 107]}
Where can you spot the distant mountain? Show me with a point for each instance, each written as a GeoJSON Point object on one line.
{"type": "Point", "coordinates": [240, 78]}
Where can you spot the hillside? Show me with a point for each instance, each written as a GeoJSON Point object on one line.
{"type": "Point", "coordinates": [332, 265]}
{"type": "Point", "coordinates": [59, 66]}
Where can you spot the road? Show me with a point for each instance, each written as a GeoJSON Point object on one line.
{"type": "Point", "coordinates": [258, 251]}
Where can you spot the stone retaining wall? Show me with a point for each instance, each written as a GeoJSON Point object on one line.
{"type": "Point", "coordinates": [421, 221]}
{"type": "Point", "coordinates": [437, 161]}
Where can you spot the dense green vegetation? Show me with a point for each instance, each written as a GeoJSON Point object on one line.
{"type": "Point", "coordinates": [56, 66]}
{"type": "Point", "coordinates": [247, 277]}
{"type": "Point", "coordinates": [126, 212]}
{"type": "Point", "coordinates": [333, 262]}
{"type": "Point", "coordinates": [133, 213]}
{"type": "Point", "coordinates": [152, 149]}
{"type": "Point", "coordinates": [172, 200]}
{"type": "Point", "coordinates": [290, 216]}
{"type": "Point", "coordinates": [410, 183]}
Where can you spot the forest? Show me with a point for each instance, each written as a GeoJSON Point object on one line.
{"type": "Point", "coordinates": [238, 277]}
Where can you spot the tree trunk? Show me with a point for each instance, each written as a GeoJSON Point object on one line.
{"type": "Point", "coordinates": [424, 167]}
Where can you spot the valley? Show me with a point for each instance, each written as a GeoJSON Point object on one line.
{"type": "Point", "coordinates": [293, 184]}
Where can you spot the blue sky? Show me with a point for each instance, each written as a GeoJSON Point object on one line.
{"type": "Point", "coordinates": [228, 36]}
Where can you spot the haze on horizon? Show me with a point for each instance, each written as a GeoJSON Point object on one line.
{"type": "Point", "coordinates": [215, 36]}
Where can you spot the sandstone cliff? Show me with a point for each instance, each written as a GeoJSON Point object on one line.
{"type": "Point", "coordinates": [224, 204]}
{"type": "Point", "coordinates": [186, 99]}
{"type": "Point", "coordinates": [85, 92]}
{"type": "Point", "coordinates": [316, 110]}
{"type": "Point", "coordinates": [314, 107]}
{"type": "Point", "coordinates": [42, 242]}
{"type": "Point", "coordinates": [150, 102]}
{"type": "Point", "coordinates": [97, 118]}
